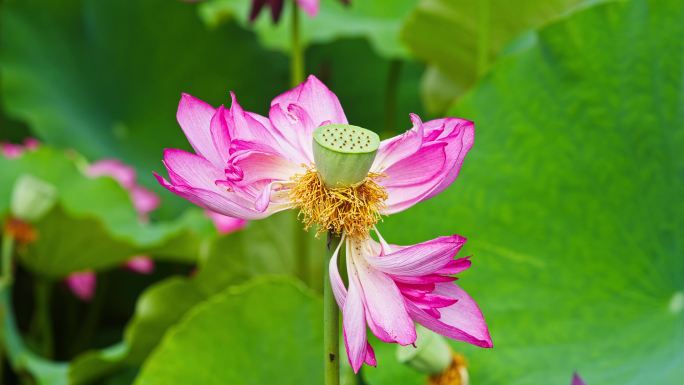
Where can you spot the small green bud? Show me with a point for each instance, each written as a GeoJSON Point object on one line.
{"type": "Point", "coordinates": [32, 198]}
{"type": "Point", "coordinates": [344, 154]}
{"type": "Point", "coordinates": [432, 355]}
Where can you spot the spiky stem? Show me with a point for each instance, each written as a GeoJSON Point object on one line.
{"type": "Point", "coordinates": [331, 322]}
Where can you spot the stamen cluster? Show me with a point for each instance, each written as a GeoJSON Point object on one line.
{"type": "Point", "coordinates": [351, 210]}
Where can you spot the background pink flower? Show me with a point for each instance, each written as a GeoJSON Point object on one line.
{"type": "Point", "coordinates": [82, 284]}
{"type": "Point", "coordinates": [311, 8]}
{"type": "Point", "coordinates": [225, 224]}
{"type": "Point", "coordinates": [144, 200]}
{"type": "Point", "coordinates": [140, 264]}
{"type": "Point", "coordinates": [14, 150]}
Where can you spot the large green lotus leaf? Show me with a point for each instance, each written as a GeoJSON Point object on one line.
{"type": "Point", "coordinates": [94, 225]}
{"type": "Point", "coordinates": [461, 38]}
{"type": "Point", "coordinates": [571, 199]}
{"type": "Point", "coordinates": [266, 332]}
{"type": "Point", "coordinates": [105, 76]}
{"type": "Point", "coordinates": [377, 21]}
{"type": "Point", "coordinates": [264, 247]}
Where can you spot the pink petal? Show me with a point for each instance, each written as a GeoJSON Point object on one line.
{"type": "Point", "coordinates": [339, 291]}
{"type": "Point", "coordinates": [430, 300]}
{"type": "Point", "coordinates": [225, 224]}
{"type": "Point", "coordinates": [82, 284]}
{"type": "Point", "coordinates": [417, 290]}
{"type": "Point", "coordinates": [404, 183]}
{"type": "Point", "coordinates": [420, 168]}
{"type": "Point", "coordinates": [253, 166]}
{"type": "Point", "coordinates": [294, 124]}
{"type": "Point", "coordinates": [226, 203]}
{"type": "Point", "coordinates": [354, 324]}
{"type": "Point", "coordinates": [370, 355]}
{"type": "Point", "coordinates": [115, 169]}
{"type": "Point", "coordinates": [421, 259]}
{"type": "Point", "coordinates": [194, 117]}
{"type": "Point", "coordinates": [316, 99]}
{"type": "Point", "coordinates": [459, 134]}
{"type": "Point", "coordinates": [264, 198]}
{"type": "Point", "coordinates": [385, 310]}
{"type": "Point", "coordinates": [309, 6]}
{"type": "Point", "coordinates": [399, 147]}
{"type": "Point", "coordinates": [140, 264]}
{"type": "Point", "coordinates": [430, 278]}
{"type": "Point", "coordinates": [191, 170]}
{"type": "Point", "coordinates": [461, 321]}
{"type": "Point", "coordinates": [243, 126]}
{"type": "Point", "coordinates": [220, 134]}
{"type": "Point", "coordinates": [402, 158]}
{"type": "Point", "coordinates": [456, 266]}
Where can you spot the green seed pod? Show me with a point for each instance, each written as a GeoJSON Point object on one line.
{"type": "Point", "coordinates": [344, 154]}
{"type": "Point", "coordinates": [432, 355]}
{"type": "Point", "coordinates": [32, 198]}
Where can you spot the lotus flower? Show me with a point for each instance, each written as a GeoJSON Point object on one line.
{"type": "Point", "coordinates": [249, 166]}
{"type": "Point", "coordinates": [309, 6]}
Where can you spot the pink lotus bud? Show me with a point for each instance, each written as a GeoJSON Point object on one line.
{"type": "Point", "coordinates": [82, 284]}
{"type": "Point", "coordinates": [140, 264]}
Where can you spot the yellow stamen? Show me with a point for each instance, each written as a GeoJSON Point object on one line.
{"type": "Point", "coordinates": [456, 374]}
{"type": "Point", "coordinates": [352, 210]}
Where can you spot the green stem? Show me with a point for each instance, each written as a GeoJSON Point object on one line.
{"type": "Point", "coordinates": [296, 77]}
{"type": "Point", "coordinates": [5, 282]}
{"type": "Point", "coordinates": [331, 323]}
{"type": "Point", "coordinates": [391, 95]}
{"type": "Point", "coordinates": [20, 358]}
{"type": "Point", "coordinates": [297, 50]}
{"type": "Point", "coordinates": [483, 38]}
{"type": "Point", "coordinates": [42, 323]}
{"type": "Point", "coordinates": [7, 250]}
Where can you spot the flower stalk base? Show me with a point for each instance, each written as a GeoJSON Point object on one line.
{"type": "Point", "coordinates": [331, 322]}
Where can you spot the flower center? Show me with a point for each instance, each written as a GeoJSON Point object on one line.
{"type": "Point", "coordinates": [352, 210]}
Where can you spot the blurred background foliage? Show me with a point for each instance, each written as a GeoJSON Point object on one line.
{"type": "Point", "coordinates": [570, 198]}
